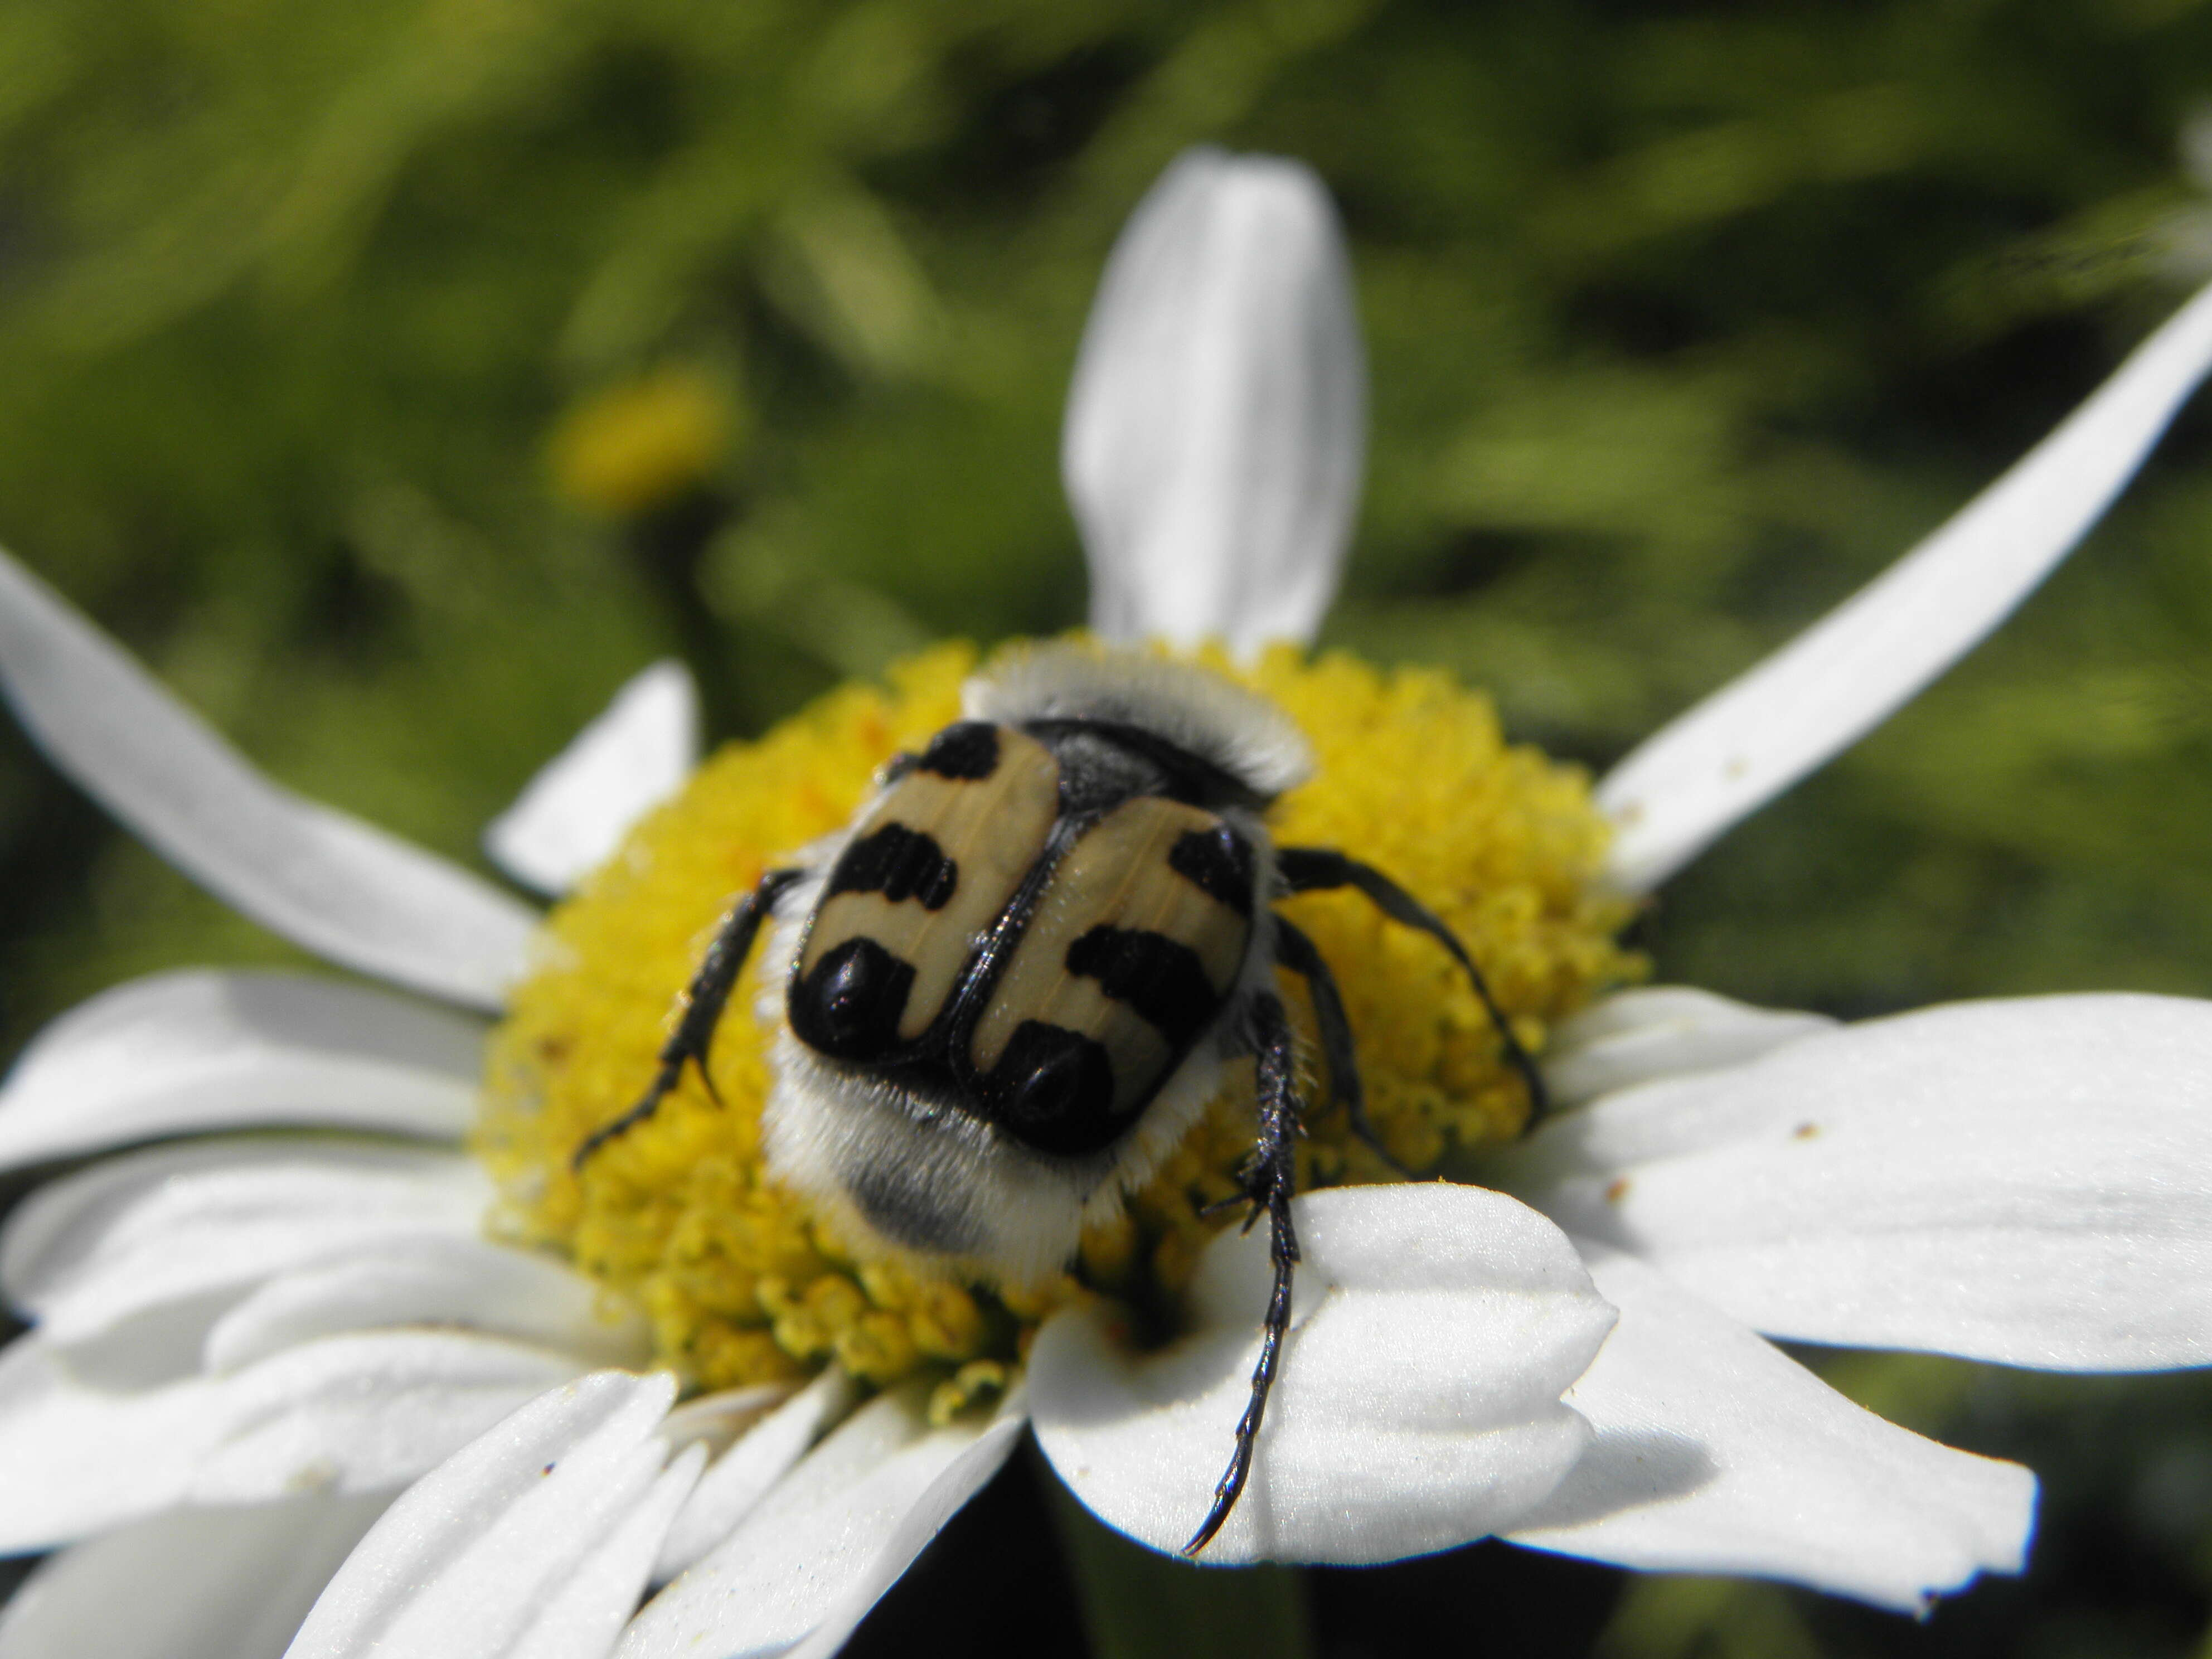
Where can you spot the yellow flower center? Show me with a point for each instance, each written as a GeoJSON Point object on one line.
{"type": "Point", "coordinates": [743, 1284]}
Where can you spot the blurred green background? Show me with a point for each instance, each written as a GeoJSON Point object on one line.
{"type": "Point", "coordinates": [397, 378]}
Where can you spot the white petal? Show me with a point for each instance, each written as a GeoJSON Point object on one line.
{"type": "Point", "coordinates": [205, 1584]}
{"type": "Point", "coordinates": [75, 1458]}
{"type": "Point", "coordinates": [716, 1420]}
{"type": "Point", "coordinates": [534, 1538]}
{"type": "Point", "coordinates": [586, 1616]}
{"type": "Point", "coordinates": [1661, 1030]}
{"type": "Point", "coordinates": [354, 1414]}
{"type": "Point", "coordinates": [920, 1520]}
{"type": "Point", "coordinates": [574, 814]}
{"type": "Point", "coordinates": [183, 1052]}
{"type": "Point", "coordinates": [146, 1228]}
{"type": "Point", "coordinates": [837, 1532]}
{"type": "Point", "coordinates": [1216, 430]}
{"type": "Point", "coordinates": [743, 1476]}
{"type": "Point", "coordinates": [2028, 1181]}
{"type": "Point", "coordinates": [345, 889]}
{"type": "Point", "coordinates": [365, 1411]}
{"type": "Point", "coordinates": [434, 1281]}
{"type": "Point", "coordinates": [1768, 727]}
{"type": "Point", "coordinates": [1418, 1405]}
{"type": "Point", "coordinates": [1716, 1454]}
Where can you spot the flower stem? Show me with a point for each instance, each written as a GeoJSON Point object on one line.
{"type": "Point", "coordinates": [1139, 1604]}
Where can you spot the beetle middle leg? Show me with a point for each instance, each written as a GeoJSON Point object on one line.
{"type": "Point", "coordinates": [704, 998]}
{"type": "Point", "coordinates": [1297, 952]}
{"type": "Point", "coordinates": [1269, 1177]}
{"type": "Point", "coordinates": [1315, 869]}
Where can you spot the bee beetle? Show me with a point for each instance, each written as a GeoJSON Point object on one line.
{"type": "Point", "coordinates": [1006, 990]}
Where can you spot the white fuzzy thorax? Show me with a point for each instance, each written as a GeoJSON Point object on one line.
{"type": "Point", "coordinates": [1194, 707]}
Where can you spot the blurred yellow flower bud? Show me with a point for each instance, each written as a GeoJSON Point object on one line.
{"type": "Point", "coordinates": [642, 443]}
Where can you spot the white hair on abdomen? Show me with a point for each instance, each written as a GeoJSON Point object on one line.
{"type": "Point", "coordinates": [1192, 708]}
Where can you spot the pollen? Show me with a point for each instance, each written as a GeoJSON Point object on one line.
{"type": "Point", "coordinates": [742, 1283]}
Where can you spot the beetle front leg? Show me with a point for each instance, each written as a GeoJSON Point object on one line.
{"type": "Point", "coordinates": [704, 1000]}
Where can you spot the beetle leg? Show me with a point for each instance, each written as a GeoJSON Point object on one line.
{"type": "Point", "coordinates": [1269, 1177]}
{"type": "Point", "coordinates": [1312, 869]}
{"type": "Point", "coordinates": [704, 1001]}
{"type": "Point", "coordinates": [1297, 952]}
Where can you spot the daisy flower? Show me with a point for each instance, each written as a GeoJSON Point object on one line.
{"type": "Point", "coordinates": [349, 1258]}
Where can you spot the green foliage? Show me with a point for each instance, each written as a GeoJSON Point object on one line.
{"type": "Point", "coordinates": [1683, 321]}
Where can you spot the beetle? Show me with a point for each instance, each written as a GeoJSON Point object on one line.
{"type": "Point", "coordinates": [1007, 989]}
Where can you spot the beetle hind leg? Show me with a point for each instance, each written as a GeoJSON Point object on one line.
{"type": "Point", "coordinates": [704, 998]}
{"type": "Point", "coordinates": [1269, 1178]}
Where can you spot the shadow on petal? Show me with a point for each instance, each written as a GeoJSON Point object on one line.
{"type": "Point", "coordinates": [1622, 1469]}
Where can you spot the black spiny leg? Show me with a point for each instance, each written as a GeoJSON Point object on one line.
{"type": "Point", "coordinates": [1310, 869]}
{"type": "Point", "coordinates": [704, 1001]}
{"type": "Point", "coordinates": [1268, 1178]}
{"type": "Point", "coordinates": [1295, 951]}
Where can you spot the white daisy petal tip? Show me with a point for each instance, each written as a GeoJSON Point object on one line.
{"type": "Point", "coordinates": [1215, 439]}
{"type": "Point", "coordinates": [342, 888]}
{"type": "Point", "coordinates": [801, 1570]}
{"type": "Point", "coordinates": [737, 1480]}
{"type": "Point", "coordinates": [91, 1439]}
{"type": "Point", "coordinates": [572, 814]}
{"type": "Point", "coordinates": [468, 1283]}
{"type": "Point", "coordinates": [203, 1048]}
{"type": "Point", "coordinates": [958, 1478]}
{"type": "Point", "coordinates": [166, 1225]}
{"type": "Point", "coordinates": [192, 1583]}
{"type": "Point", "coordinates": [535, 1539]}
{"type": "Point", "coordinates": [719, 1420]}
{"type": "Point", "coordinates": [2026, 1181]}
{"type": "Point", "coordinates": [1418, 1406]}
{"type": "Point", "coordinates": [1685, 786]}
{"type": "Point", "coordinates": [1715, 1453]}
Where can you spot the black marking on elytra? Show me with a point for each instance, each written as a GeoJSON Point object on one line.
{"type": "Point", "coordinates": [1053, 1089]}
{"type": "Point", "coordinates": [906, 1208]}
{"type": "Point", "coordinates": [1161, 978]}
{"type": "Point", "coordinates": [967, 750]}
{"type": "Point", "coordinates": [850, 1006]}
{"type": "Point", "coordinates": [1218, 861]}
{"type": "Point", "coordinates": [900, 864]}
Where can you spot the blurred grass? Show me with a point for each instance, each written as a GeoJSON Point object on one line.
{"type": "Point", "coordinates": [1684, 320]}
